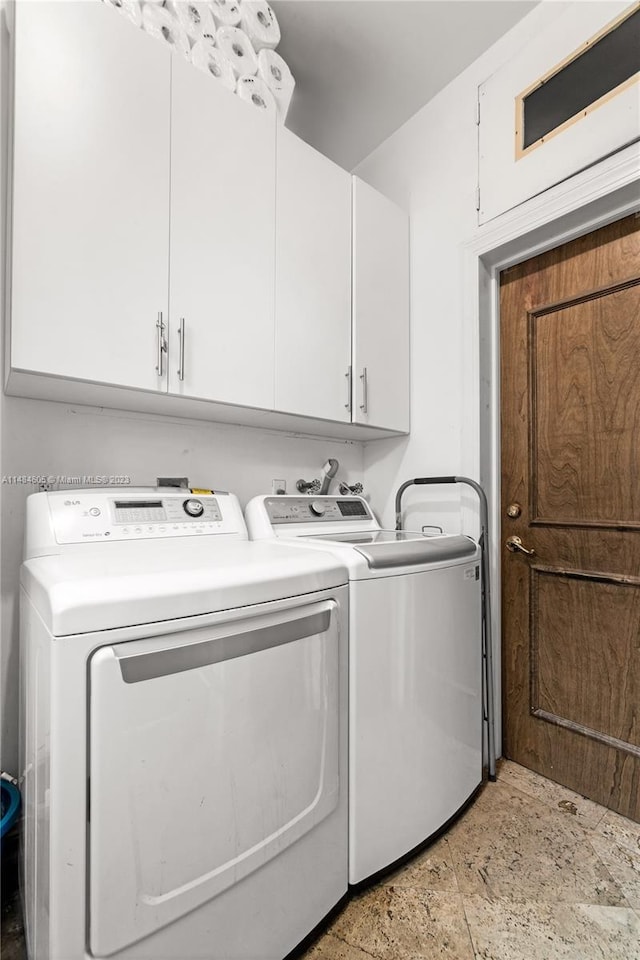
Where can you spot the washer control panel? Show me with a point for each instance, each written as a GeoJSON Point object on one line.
{"type": "Point", "coordinates": [319, 509]}
{"type": "Point", "coordinates": [101, 514]}
{"type": "Point", "coordinates": [166, 510]}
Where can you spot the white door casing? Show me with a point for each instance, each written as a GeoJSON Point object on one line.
{"type": "Point", "coordinates": [605, 192]}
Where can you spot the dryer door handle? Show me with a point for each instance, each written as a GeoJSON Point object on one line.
{"type": "Point", "coordinates": [190, 656]}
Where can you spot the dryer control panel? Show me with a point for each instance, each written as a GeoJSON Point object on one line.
{"type": "Point", "coordinates": [113, 514]}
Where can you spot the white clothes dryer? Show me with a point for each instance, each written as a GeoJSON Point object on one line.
{"type": "Point", "coordinates": [415, 670]}
{"type": "Point", "coordinates": [183, 731]}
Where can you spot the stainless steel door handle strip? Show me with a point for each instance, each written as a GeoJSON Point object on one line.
{"type": "Point", "coordinates": [161, 345]}
{"type": "Point", "coordinates": [181, 335]}
{"type": "Point", "coordinates": [191, 656]}
{"type": "Point", "coordinates": [349, 376]}
{"type": "Point", "coordinates": [364, 406]}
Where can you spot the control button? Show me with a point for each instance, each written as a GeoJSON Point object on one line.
{"type": "Point", "coordinates": [193, 508]}
{"type": "Point", "coordinates": [318, 508]}
{"type": "Point", "coordinates": [95, 512]}
{"type": "Point", "coordinates": [126, 530]}
{"type": "Point", "coordinates": [137, 530]}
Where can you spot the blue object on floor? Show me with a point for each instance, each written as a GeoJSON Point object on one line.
{"type": "Point", "coordinates": [9, 806]}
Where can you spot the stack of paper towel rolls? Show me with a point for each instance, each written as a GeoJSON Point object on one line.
{"type": "Point", "coordinates": [233, 41]}
{"type": "Point", "coordinates": [275, 73]}
{"type": "Point", "coordinates": [160, 22]}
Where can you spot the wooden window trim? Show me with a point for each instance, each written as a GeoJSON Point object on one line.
{"type": "Point", "coordinates": [521, 97]}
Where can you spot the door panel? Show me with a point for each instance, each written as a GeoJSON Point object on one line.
{"type": "Point", "coordinates": [570, 329]}
{"type": "Point", "coordinates": [223, 187]}
{"type": "Point", "coordinates": [90, 195]}
{"type": "Point", "coordinates": [201, 776]}
{"type": "Point", "coordinates": [313, 282]}
{"type": "Point", "coordinates": [606, 660]}
{"type": "Point", "coordinates": [587, 383]}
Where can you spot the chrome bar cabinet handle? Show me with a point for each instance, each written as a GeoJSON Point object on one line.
{"type": "Point", "coordinates": [161, 344]}
{"type": "Point", "coordinates": [182, 330]}
{"type": "Point", "coordinates": [364, 406]}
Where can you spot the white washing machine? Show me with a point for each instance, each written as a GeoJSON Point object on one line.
{"type": "Point", "coordinates": [184, 731]}
{"type": "Point", "coordinates": [415, 670]}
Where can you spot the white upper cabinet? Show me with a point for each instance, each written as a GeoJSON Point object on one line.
{"type": "Point", "coordinates": [172, 240]}
{"type": "Point", "coordinates": [222, 243]}
{"type": "Point", "coordinates": [380, 310]}
{"type": "Point", "coordinates": [313, 282]}
{"type": "Point", "coordinates": [90, 195]}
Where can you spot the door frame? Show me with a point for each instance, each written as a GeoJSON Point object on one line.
{"type": "Point", "coordinates": [604, 192]}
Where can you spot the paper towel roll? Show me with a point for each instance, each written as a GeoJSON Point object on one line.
{"type": "Point", "coordinates": [194, 17]}
{"type": "Point", "coordinates": [259, 23]}
{"type": "Point", "coordinates": [225, 12]}
{"type": "Point", "coordinates": [159, 23]}
{"type": "Point", "coordinates": [277, 76]}
{"type": "Point", "coordinates": [237, 48]}
{"type": "Point", "coordinates": [130, 8]}
{"type": "Point", "coordinates": [255, 91]}
{"type": "Point", "coordinates": [214, 62]}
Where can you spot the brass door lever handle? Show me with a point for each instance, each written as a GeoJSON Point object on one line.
{"type": "Point", "coordinates": [515, 545]}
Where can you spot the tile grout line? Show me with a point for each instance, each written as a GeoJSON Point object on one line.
{"type": "Point", "coordinates": [355, 946]}
{"type": "Point", "coordinates": [466, 920]}
{"type": "Point", "coordinates": [611, 876]}
{"type": "Point", "coordinates": [452, 858]}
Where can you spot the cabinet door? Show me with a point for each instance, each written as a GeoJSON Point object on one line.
{"type": "Point", "coordinates": [90, 195]}
{"type": "Point", "coordinates": [313, 282]}
{"type": "Point", "coordinates": [380, 310]}
{"type": "Point", "coordinates": [222, 243]}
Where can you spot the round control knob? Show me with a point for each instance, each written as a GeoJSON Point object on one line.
{"type": "Point", "coordinates": [318, 508]}
{"type": "Point", "coordinates": [193, 508]}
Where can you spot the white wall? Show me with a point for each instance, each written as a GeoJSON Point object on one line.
{"type": "Point", "coordinates": [430, 167]}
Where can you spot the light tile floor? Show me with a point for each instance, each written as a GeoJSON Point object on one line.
{"type": "Point", "coordinates": [531, 871]}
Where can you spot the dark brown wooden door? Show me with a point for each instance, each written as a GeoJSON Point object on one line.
{"type": "Point", "coordinates": [570, 344]}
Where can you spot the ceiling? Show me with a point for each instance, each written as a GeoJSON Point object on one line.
{"type": "Point", "coordinates": [363, 67]}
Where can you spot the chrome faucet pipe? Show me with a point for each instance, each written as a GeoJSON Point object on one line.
{"type": "Point", "coordinates": [328, 473]}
